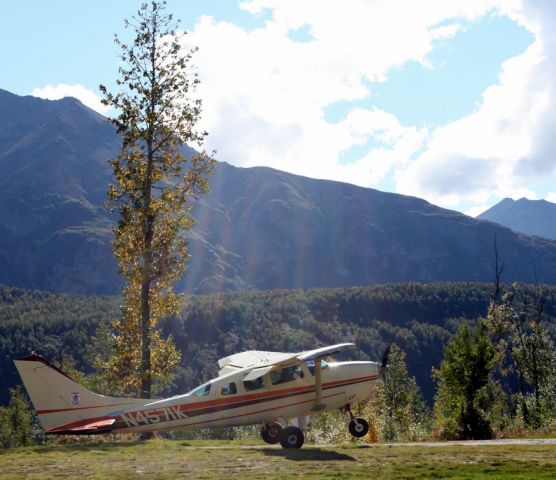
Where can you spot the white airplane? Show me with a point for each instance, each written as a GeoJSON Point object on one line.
{"type": "Point", "coordinates": [253, 387]}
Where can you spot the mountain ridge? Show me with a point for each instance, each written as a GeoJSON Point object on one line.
{"type": "Point", "coordinates": [532, 217]}
{"type": "Point", "coordinates": [259, 228]}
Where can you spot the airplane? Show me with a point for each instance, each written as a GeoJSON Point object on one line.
{"type": "Point", "coordinates": [253, 387]}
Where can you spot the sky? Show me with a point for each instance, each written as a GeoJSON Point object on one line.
{"type": "Point", "coordinates": [453, 101]}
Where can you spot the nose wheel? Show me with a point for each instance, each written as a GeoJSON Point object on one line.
{"type": "Point", "coordinates": [358, 427]}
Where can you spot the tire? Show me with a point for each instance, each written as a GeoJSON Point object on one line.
{"type": "Point", "coordinates": [292, 437]}
{"type": "Point", "coordinates": [358, 427]}
{"type": "Point", "coordinates": [270, 433]}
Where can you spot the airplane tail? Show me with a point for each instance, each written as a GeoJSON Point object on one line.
{"type": "Point", "coordinates": [64, 406]}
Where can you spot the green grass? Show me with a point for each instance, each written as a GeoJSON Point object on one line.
{"type": "Point", "coordinates": [170, 459]}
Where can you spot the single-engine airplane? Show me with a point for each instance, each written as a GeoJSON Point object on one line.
{"type": "Point", "coordinates": [270, 388]}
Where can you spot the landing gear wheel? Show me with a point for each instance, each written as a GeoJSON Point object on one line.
{"type": "Point", "coordinates": [292, 437]}
{"type": "Point", "coordinates": [358, 427]}
{"type": "Point", "coordinates": [270, 433]}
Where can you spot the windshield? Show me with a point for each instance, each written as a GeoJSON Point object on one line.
{"type": "Point", "coordinates": [201, 391]}
{"type": "Point", "coordinates": [311, 365]}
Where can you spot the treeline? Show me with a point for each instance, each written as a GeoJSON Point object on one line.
{"type": "Point", "coordinates": [419, 318]}
{"type": "Point", "coordinates": [59, 327]}
{"type": "Point", "coordinates": [414, 316]}
{"type": "Point", "coordinates": [491, 350]}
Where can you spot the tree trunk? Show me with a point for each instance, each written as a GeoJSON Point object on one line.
{"type": "Point", "coordinates": [524, 410]}
{"type": "Point", "coordinates": [145, 338]}
{"type": "Point", "coordinates": [148, 232]}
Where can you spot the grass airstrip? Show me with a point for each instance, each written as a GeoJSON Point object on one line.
{"type": "Point", "coordinates": [172, 459]}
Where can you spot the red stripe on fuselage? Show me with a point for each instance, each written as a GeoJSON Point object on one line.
{"type": "Point", "coordinates": [56, 410]}
{"type": "Point", "coordinates": [187, 407]}
{"type": "Point", "coordinates": [245, 400]}
{"type": "Point", "coordinates": [259, 411]}
{"type": "Point", "coordinates": [262, 395]}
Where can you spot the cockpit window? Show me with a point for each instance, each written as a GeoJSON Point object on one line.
{"type": "Point", "coordinates": [229, 389]}
{"type": "Point", "coordinates": [202, 391]}
{"type": "Point", "coordinates": [286, 374]}
{"type": "Point", "coordinates": [256, 384]}
{"type": "Point", "coordinates": [311, 365]}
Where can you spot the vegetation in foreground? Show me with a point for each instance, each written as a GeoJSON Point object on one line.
{"type": "Point", "coordinates": [499, 357]}
{"type": "Point", "coordinates": [165, 459]}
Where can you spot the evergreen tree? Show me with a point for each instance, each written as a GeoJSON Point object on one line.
{"type": "Point", "coordinates": [464, 373]}
{"type": "Point", "coordinates": [16, 422]}
{"type": "Point", "coordinates": [403, 410]}
{"type": "Point", "coordinates": [155, 185]}
{"type": "Point", "coordinates": [524, 348]}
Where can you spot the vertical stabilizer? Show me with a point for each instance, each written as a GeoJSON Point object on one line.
{"type": "Point", "coordinates": [59, 400]}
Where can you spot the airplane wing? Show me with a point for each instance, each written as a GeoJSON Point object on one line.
{"type": "Point", "coordinates": [319, 352]}
{"type": "Point", "coordinates": [257, 372]}
{"type": "Point", "coordinates": [251, 358]}
{"type": "Point", "coordinates": [263, 362]}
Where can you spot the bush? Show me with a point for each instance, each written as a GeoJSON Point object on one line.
{"type": "Point", "coordinates": [16, 422]}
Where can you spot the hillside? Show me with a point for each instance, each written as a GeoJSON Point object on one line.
{"type": "Point", "coordinates": [258, 229]}
{"type": "Point", "coordinates": [419, 318]}
{"type": "Point", "coordinates": [532, 217]}
{"type": "Point", "coordinates": [54, 232]}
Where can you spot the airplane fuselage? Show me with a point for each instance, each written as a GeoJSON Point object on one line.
{"type": "Point", "coordinates": [229, 400]}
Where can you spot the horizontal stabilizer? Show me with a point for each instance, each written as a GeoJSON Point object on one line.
{"type": "Point", "coordinates": [84, 427]}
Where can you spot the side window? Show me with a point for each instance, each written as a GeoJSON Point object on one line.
{"type": "Point", "coordinates": [251, 385]}
{"type": "Point", "coordinates": [228, 389]}
{"type": "Point", "coordinates": [311, 365]}
{"type": "Point", "coordinates": [202, 391]}
{"type": "Point", "coordinates": [286, 374]}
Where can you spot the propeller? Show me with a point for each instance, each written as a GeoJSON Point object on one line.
{"type": "Point", "coordinates": [384, 363]}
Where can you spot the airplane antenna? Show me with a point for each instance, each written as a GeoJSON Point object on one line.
{"type": "Point", "coordinates": [257, 352]}
{"type": "Point", "coordinates": [236, 338]}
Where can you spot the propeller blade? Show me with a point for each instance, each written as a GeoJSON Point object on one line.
{"type": "Point", "coordinates": [384, 362]}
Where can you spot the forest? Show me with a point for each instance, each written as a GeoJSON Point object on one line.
{"type": "Point", "coordinates": [420, 318]}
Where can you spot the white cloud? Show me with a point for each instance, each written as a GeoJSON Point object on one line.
{"type": "Point", "coordinates": [83, 94]}
{"type": "Point", "coordinates": [265, 95]}
{"type": "Point", "coordinates": [551, 197]}
{"type": "Point", "coordinates": [477, 210]}
{"type": "Point", "coordinates": [506, 147]}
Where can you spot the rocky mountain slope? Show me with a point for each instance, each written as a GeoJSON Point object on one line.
{"type": "Point", "coordinates": [532, 217]}
{"type": "Point", "coordinates": [258, 229]}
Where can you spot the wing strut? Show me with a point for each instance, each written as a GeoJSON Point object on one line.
{"type": "Point", "coordinates": [319, 405]}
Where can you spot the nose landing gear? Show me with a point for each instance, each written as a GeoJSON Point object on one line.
{"type": "Point", "coordinates": [358, 427]}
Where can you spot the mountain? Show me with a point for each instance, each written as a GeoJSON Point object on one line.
{"type": "Point", "coordinates": [533, 217]}
{"type": "Point", "coordinates": [54, 232]}
{"type": "Point", "coordinates": [259, 228]}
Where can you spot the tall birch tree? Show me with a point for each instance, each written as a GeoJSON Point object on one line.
{"type": "Point", "coordinates": [153, 190]}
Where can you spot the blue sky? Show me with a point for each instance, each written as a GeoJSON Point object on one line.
{"type": "Point", "coordinates": [448, 100]}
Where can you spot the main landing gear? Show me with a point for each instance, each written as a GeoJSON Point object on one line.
{"type": "Point", "coordinates": [289, 437]}
{"type": "Point", "coordinates": [358, 427]}
{"type": "Point", "coordinates": [270, 432]}
{"type": "Point", "coordinates": [292, 437]}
